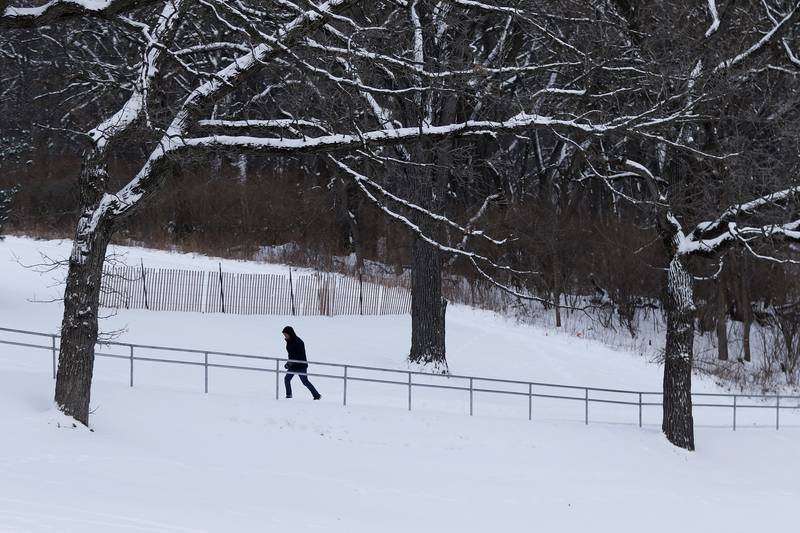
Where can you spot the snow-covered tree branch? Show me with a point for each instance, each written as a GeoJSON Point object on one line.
{"type": "Point", "coordinates": [59, 10]}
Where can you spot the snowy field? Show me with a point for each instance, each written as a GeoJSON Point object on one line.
{"type": "Point", "coordinates": [164, 457]}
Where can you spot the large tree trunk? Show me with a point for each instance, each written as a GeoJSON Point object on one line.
{"type": "Point", "coordinates": [82, 293]}
{"type": "Point", "coordinates": [79, 324]}
{"type": "Point", "coordinates": [427, 307]}
{"type": "Point", "coordinates": [722, 321]}
{"type": "Point", "coordinates": [746, 331]}
{"type": "Point", "coordinates": [678, 424]}
{"type": "Point", "coordinates": [746, 306]}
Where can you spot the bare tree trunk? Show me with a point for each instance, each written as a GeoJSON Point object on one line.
{"type": "Point", "coordinates": [557, 288]}
{"type": "Point", "coordinates": [79, 325]}
{"type": "Point", "coordinates": [678, 423]}
{"type": "Point", "coordinates": [722, 321]}
{"type": "Point", "coordinates": [427, 307]}
{"type": "Point", "coordinates": [747, 307]}
{"type": "Point", "coordinates": [348, 206]}
{"type": "Point", "coordinates": [241, 167]}
{"type": "Point", "coordinates": [748, 322]}
{"type": "Point", "coordinates": [788, 325]}
{"type": "Point", "coordinates": [82, 292]}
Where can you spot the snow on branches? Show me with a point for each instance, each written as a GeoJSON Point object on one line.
{"type": "Point", "coordinates": [56, 10]}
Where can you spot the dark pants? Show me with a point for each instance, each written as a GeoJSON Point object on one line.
{"type": "Point", "coordinates": [304, 380]}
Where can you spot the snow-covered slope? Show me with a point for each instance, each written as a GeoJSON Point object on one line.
{"type": "Point", "coordinates": [163, 457]}
{"type": "Point", "coordinates": [478, 342]}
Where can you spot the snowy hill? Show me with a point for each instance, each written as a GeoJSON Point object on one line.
{"type": "Point", "coordinates": [479, 342]}
{"type": "Point", "coordinates": [163, 457]}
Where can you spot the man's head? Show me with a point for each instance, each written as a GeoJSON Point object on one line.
{"type": "Point", "coordinates": [288, 332]}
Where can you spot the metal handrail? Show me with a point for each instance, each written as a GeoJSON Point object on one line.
{"type": "Point", "coordinates": [469, 385]}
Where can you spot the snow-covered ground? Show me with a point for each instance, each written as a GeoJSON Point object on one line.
{"type": "Point", "coordinates": [165, 457]}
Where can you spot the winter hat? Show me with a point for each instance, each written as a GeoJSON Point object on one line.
{"type": "Point", "coordinates": [290, 331]}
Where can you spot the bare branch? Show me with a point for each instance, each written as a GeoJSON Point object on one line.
{"type": "Point", "coordinates": [58, 10]}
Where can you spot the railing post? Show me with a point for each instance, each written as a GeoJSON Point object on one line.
{"type": "Point", "coordinates": [640, 409]}
{"type": "Point", "coordinates": [470, 396]}
{"type": "Point", "coordinates": [734, 412]}
{"type": "Point", "coordinates": [53, 338]}
{"type": "Point", "coordinates": [530, 401]}
{"type": "Point", "coordinates": [777, 411]}
{"type": "Point", "coordinates": [206, 370]}
{"type": "Point", "coordinates": [277, 379]}
{"type": "Point", "coordinates": [131, 365]}
{"type": "Point", "coordinates": [586, 410]}
{"type": "Point", "coordinates": [345, 386]}
{"type": "Point", "coordinates": [409, 391]}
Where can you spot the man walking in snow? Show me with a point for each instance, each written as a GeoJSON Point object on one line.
{"type": "Point", "coordinates": [297, 352]}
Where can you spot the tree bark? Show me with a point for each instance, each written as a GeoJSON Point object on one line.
{"type": "Point", "coordinates": [722, 321]}
{"type": "Point", "coordinates": [79, 325]}
{"type": "Point", "coordinates": [428, 307]}
{"type": "Point", "coordinates": [748, 323]}
{"type": "Point", "coordinates": [347, 201]}
{"type": "Point", "coordinates": [557, 288]}
{"type": "Point", "coordinates": [678, 423]}
{"type": "Point", "coordinates": [746, 305]}
{"type": "Point", "coordinates": [82, 293]}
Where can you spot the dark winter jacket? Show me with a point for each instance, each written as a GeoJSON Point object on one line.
{"type": "Point", "coordinates": [296, 350]}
